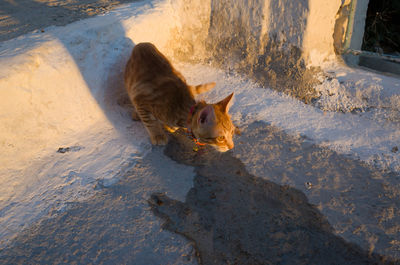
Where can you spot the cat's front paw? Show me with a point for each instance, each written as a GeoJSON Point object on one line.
{"type": "Point", "coordinates": [159, 139]}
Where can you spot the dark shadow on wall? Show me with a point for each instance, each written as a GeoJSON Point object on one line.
{"type": "Point", "coordinates": [235, 33]}
{"type": "Point", "coordinates": [263, 42]}
{"type": "Point", "coordinates": [234, 217]}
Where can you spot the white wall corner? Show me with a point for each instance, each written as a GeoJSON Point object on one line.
{"type": "Point", "coordinates": [318, 43]}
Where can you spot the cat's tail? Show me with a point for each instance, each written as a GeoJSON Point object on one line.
{"type": "Point", "coordinates": [201, 88]}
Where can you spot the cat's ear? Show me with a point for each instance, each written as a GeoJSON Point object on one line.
{"type": "Point", "coordinates": [202, 88]}
{"type": "Point", "coordinates": [226, 103]}
{"type": "Point", "coordinates": [207, 116]}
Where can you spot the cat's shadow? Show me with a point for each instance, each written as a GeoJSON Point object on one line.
{"type": "Point", "coordinates": [234, 217]}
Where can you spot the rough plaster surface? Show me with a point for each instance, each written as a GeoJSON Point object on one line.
{"type": "Point", "coordinates": [275, 42]}
{"type": "Point", "coordinates": [264, 39]}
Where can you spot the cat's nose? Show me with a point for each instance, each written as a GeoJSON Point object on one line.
{"type": "Point", "coordinates": [231, 145]}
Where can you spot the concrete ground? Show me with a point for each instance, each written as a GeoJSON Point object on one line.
{"type": "Point", "coordinates": [230, 215]}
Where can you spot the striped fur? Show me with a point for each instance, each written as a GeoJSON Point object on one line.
{"type": "Point", "coordinates": [162, 99]}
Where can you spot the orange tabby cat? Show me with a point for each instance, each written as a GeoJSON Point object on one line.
{"type": "Point", "coordinates": [162, 98]}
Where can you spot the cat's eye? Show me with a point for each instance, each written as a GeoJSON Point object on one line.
{"type": "Point", "coordinates": [221, 138]}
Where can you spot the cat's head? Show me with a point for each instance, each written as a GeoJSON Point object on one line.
{"type": "Point", "coordinates": [212, 125]}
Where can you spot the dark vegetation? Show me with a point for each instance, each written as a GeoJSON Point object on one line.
{"type": "Point", "coordinates": [382, 27]}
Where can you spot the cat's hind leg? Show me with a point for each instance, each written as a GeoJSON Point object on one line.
{"type": "Point", "coordinates": [153, 127]}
